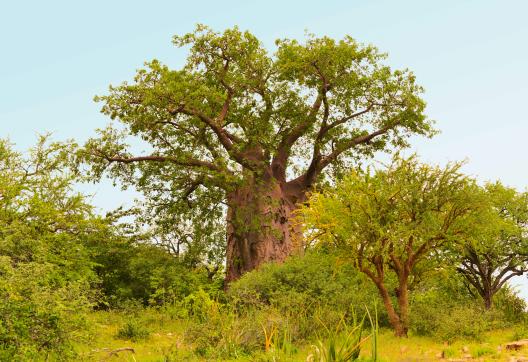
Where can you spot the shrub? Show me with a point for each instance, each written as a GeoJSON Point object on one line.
{"type": "Point", "coordinates": [462, 323]}
{"type": "Point", "coordinates": [216, 331]}
{"type": "Point", "coordinates": [520, 332]}
{"type": "Point", "coordinates": [297, 299]}
{"type": "Point", "coordinates": [511, 306]}
{"type": "Point", "coordinates": [148, 274]}
{"type": "Point", "coordinates": [442, 306]}
{"type": "Point", "coordinates": [40, 312]}
{"type": "Point", "coordinates": [133, 330]}
{"type": "Point", "coordinates": [221, 335]}
{"type": "Point", "coordinates": [200, 306]}
{"type": "Point", "coordinates": [304, 290]}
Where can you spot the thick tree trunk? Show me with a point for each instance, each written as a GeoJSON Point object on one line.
{"type": "Point", "coordinates": [259, 225]}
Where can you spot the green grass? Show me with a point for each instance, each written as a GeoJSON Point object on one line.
{"type": "Point", "coordinates": [167, 339]}
{"type": "Point", "coordinates": [166, 334]}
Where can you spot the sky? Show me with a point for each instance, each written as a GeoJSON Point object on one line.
{"type": "Point", "coordinates": [470, 56]}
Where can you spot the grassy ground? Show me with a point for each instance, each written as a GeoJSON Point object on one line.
{"type": "Point", "coordinates": [166, 339]}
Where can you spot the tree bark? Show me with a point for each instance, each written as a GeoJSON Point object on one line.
{"type": "Point", "coordinates": [400, 329]}
{"type": "Point", "coordinates": [488, 299]}
{"type": "Point", "coordinates": [487, 302]}
{"type": "Point", "coordinates": [403, 306]}
{"type": "Point", "coordinates": [259, 224]}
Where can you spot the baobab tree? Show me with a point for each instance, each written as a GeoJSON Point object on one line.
{"type": "Point", "coordinates": [243, 134]}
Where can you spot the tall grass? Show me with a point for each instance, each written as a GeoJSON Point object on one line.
{"type": "Point", "coordinates": [343, 343]}
{"type": "Point", "coordinates": [374, 333]}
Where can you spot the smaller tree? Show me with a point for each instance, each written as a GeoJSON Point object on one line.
{"type": "Point", "coordinates": [394, 220]}
{"type": "Point", "coordinates": [500, 251]}
{"type": "Point", "coordinates": [47, 271]}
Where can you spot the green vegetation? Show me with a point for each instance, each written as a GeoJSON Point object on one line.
{"type": "Point", "coordinates": [239, 136]}
{"type": "Point", "coordinates": [344, 263]}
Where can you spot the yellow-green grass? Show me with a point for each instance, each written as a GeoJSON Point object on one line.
{"type": "Point", "coordinates": [167, 334]}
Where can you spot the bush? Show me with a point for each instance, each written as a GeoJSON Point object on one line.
{"type": "Point", "coordinates": [316, 278]}
{"type": "Point", "coordinates": [47, 281]}
{"type": "Point", "coordinates": [40, 312]}
{"type": "Point", "coordinates": [215, 331]}
{"type": "Point", "coordinates": [462, 323]}
{"type": "Point", "coordinates": [443, 307]}
{"type": "Point", "coordinates": [511, 306]}
{"type": "Point", "coordinates": [305, 291]}
{"type": "Point", "coordinates": [148, 274]}
{"type": "Point", "coordinates": [133, 330]}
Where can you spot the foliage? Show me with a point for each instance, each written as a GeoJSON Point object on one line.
{"type": "Point", "coordinates": [216, 331]}
{"type": "Point", "coordinates": [43, 220]}
{"type": "Point", "coordinates": [45, 265]}
{"type": "Point", "coordinates": [200, 306]}
{"type": "Point", "coordinates": [40, 312]}
{"type": "Point", "coordinates": [147, 273]}
{"type": "Point", "coordinates": [342, 345]}
{"type": "Point", "coordinates": [396, 220]}
{"type": "Point", "coordinates": [462, 322]}
{"type": "Point", "coordinates": [444, 308]}
{"type": "Point", "coordinates": [133, 330]}
{"type": "Point", "coordinates": [499, 251]}
{"type": "Point", "coordinates": [272, 309]}
{"type": "Point", "coordinates": [318, 286]}
{"type": "Point", "coordinates": [511, 306]}
{"type": "Point", "coordinates": [434, 297]}
{"type": "Point", "coordinates": [236, 117]}
{"type": "Point", "coordinates": [319, 276]}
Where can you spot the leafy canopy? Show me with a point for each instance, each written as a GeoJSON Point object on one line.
{"type": "Point", "coordinates": [235, 110]}
{"type": "Point", "coordinates": [47, 275]}
{"type": "Point", "coordinates": [499, 251]}
{"type": "Point", "coordinates": [397, 217]}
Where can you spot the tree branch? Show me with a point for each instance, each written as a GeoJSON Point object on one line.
{"type": "Point", "coordinates": [351, 143]}
{"type": "Point", "coordinates": [514, 273]}
{"type": "Point", "coordinates": [319, 163]}
{"type": "Point", "coordinates": [226, 139]}
{"type": "Point", "coordinates": [157, 158]}
{"type": "Point", "coordinates": [283, 151]}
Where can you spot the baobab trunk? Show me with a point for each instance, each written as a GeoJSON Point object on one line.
{"type": "Point", "coordinates": [259, 225]}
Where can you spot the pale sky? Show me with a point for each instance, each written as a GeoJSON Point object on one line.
{"type": "Point", "coordinates": [471, 57]}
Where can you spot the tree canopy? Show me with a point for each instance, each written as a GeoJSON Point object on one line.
{"type": "Point", "coordinates": [499, 250]}
{"type": "Point", "coordinates": [236, 115]}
